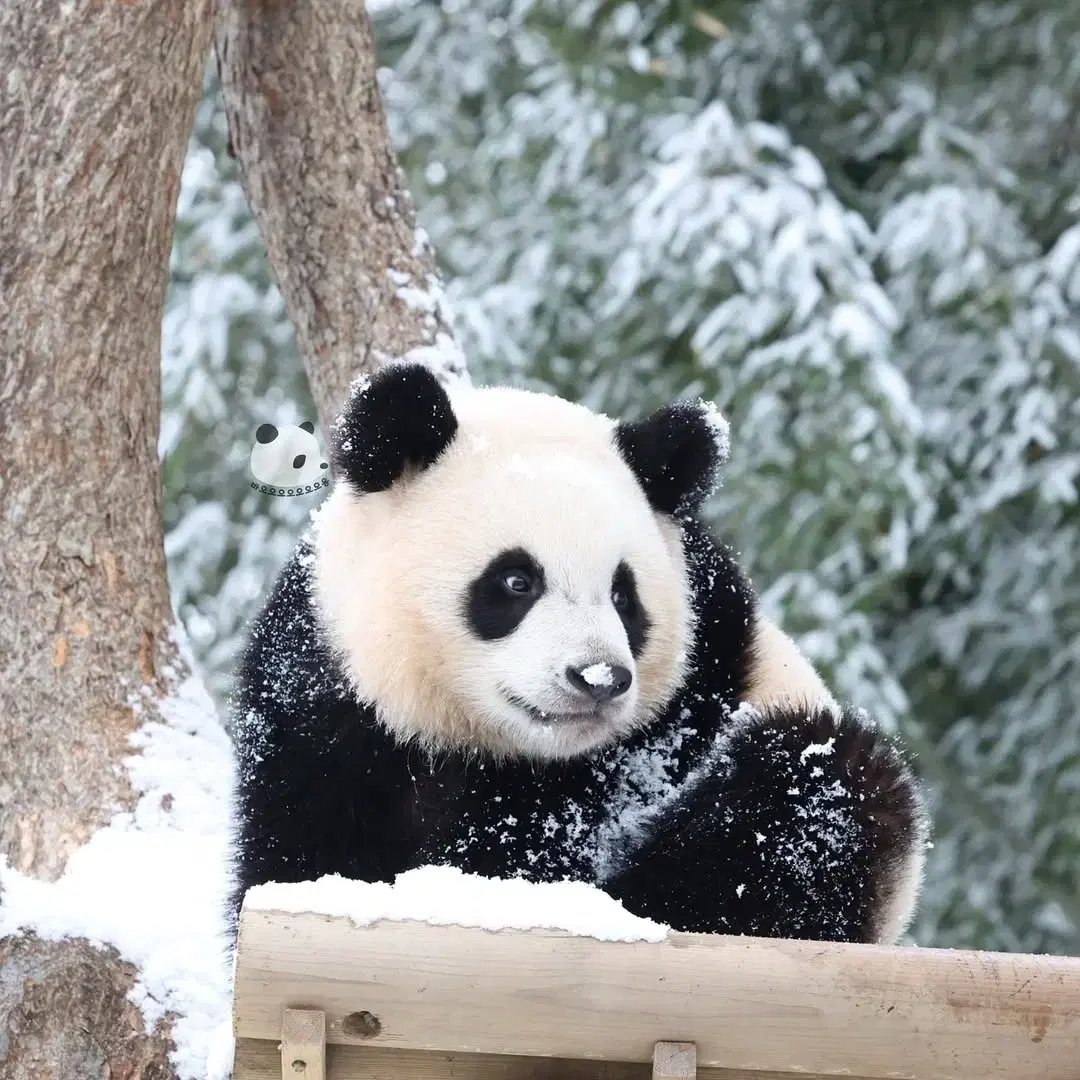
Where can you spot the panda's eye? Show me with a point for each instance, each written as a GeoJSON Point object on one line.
{"type": "Point", "coordinates": [518, 583]}
{"type": "Point", "coordinates": [620, 599]}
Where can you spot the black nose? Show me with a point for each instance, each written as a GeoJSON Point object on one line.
{"type": "Point", "coordinates": [601, 682]}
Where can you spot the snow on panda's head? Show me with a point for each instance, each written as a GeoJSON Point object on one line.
{"type": "Point", "coordinates": [503, 569]}
{"type": "Point", "coordinates": [286, 459]}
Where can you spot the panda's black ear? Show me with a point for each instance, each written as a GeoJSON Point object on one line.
{"type": "Point", "coordinates": [399, 417]}
{"type": "Point", "coordinates": [676, 453]}
{"type": "Point", "coordinates": [308, 426]}
{"type": "Point", "coordinates": [265, 433]}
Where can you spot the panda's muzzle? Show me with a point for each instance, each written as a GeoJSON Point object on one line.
{"type": "Point", "coordinates": [587, 697]}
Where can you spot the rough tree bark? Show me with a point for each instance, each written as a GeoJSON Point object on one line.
{"type": "Point", "coordinates": [307, 126]}
{"type": "Point", "coordinates": [96, 103]}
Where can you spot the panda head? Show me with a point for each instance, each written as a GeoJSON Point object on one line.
{"type": "Point", "coordinates": [502, 569]}
{"type": "Point", "coordinates": [287, 457]}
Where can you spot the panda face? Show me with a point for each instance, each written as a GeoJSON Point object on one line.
{"type": "Point", "coordinates": [514, 590]}
{"type": "Point", "coordinates": [287, 457]}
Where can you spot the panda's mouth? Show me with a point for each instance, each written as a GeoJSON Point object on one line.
{"type": "Point", "coordinates": [551, 717]}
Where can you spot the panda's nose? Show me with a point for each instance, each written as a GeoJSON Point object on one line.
{"type": "Point", "coordinates": [601, 682]}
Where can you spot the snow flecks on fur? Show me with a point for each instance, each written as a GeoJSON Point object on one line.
{"type": "Point", "coordinates": [153, 882]}
{"type": "Point", "coordinates": [818, 749]}
{"type": "Point", "coordinates": [826, 833]}
{"type": "Point", "coordinates": [642, 781]}
{"type": "Point", "coordinates": [299, 671]}
{"type": "Point", "coordinates": [444, 896]}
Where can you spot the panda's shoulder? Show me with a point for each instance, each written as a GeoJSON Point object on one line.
{"type": "Point", "coordinates": [286, 664]}
{"type": "Point", "coordinates": [289, 612]}
{"type": "Point", "coordinates": [725, 613]}
{"type": "Point", "coordinates": [713, 566]}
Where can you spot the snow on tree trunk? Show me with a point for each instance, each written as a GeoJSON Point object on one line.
{"type": "Point", "coordinates": [95, 114]}
{"type": "Point", "coordinates": [307, 126]}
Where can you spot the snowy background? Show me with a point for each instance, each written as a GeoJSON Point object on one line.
{"type": "Point", "coordinates": [856, 227]}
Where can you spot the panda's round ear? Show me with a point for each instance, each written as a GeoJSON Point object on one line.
{"type": "Point", "coordinates": [676, 453]}
{"type": "Point", "coordinates": [400, 417]}
{"type": "Point", "coordinates": [308, 426]}
{"type": "Point", "coordinates": [265, 433]}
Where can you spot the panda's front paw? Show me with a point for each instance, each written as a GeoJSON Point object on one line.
{"type": "Point", "coordinates": [806, 823]}
{"type": "Point", "coordinates": [828, 822]}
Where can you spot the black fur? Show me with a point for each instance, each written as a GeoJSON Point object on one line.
{"type": "Point", "coordinates": [635, 618]}
{"type": "Point", "coordinates": [400, 417]}
{"type": "Point", "coordinates": [770, 837]}
{"type": "Point", "coordinates": [493, 609]}
{"type": "Point", "coordinates": [322, 788]}
{"type": "Point", "coordinates": [675, 455]}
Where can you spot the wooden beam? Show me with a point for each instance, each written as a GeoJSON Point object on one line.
{"type": "Point", "coordinates": [257, 1059]}
{"type": "Point", "coordinates": [303, 1044]}
{"type": "Point", "coordinates": [789, 1007]}
{"type": "Point", "coordinates": [674, 1061]}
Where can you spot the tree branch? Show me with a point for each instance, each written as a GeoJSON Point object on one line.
{"type": "Point", "coordinates": [307, 126]}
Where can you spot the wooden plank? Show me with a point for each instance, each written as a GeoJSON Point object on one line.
{"type": "Point", "coordinates": [674, 1061]}
{"type": "Point", "coordinates": [303, 1044]}
{"type": "Point", "coordinates": [770, 1005]}
{"type": "Point", "coordinates": [259, 1060]}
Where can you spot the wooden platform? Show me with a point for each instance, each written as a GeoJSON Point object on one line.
{"type": "Point", "coordinates": [407, 999]}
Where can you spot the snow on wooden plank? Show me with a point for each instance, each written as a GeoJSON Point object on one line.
{"type": "Point", "coordinates": [783, 1007]}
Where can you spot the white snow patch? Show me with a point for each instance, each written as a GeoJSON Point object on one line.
{"type": "Point", "coordinates": [443, 356]}
{"type": "Point", "coordinates": [152, 883]}
{"type": "Point", "coordinates": [644, 786]}
{"type": "Point", "coordinates": [718, 428]}
{"type": "Point", "coordinates": [445, 896]}
{"type": "Point", "coordinates": [818, 749]}
{"type": "Point", "coordinates": [598, 675]}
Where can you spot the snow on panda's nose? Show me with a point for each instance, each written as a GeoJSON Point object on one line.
{"type": "Point", "coordinates": [599, 681]}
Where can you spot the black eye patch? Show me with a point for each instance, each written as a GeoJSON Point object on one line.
{"type": "Point", "coordinates": [503, 594]}
{"type": "Point", "coordinates": [624, 595]}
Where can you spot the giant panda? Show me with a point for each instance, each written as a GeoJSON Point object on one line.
{"type": "Point", "coordinates": [509, 644]}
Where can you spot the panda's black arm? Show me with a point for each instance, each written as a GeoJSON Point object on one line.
{"type": "Point", "coordinates": [320, 787]}
{"type": "Point", "coordinates": [804, 824]}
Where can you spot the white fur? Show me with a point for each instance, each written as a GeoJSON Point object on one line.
{"type": "Point", "coordinates": [779, 672]}
{"type": "Point", "coordinates": [393, 569]}
{"type": "Point", "coordinates": [902, 888]}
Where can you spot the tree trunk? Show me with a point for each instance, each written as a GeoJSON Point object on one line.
{"type": "Point", "coordinates": [307, 125]}
{"type": "Point", "coordinates": [96, 104]}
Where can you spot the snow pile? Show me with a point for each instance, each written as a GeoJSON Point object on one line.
{"type": "Point", "coordinates": [152, 883]}
{"type": "Point", "coordinates": [444, 896]}
{"type": "Point", "coordinates": [438, 349]}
